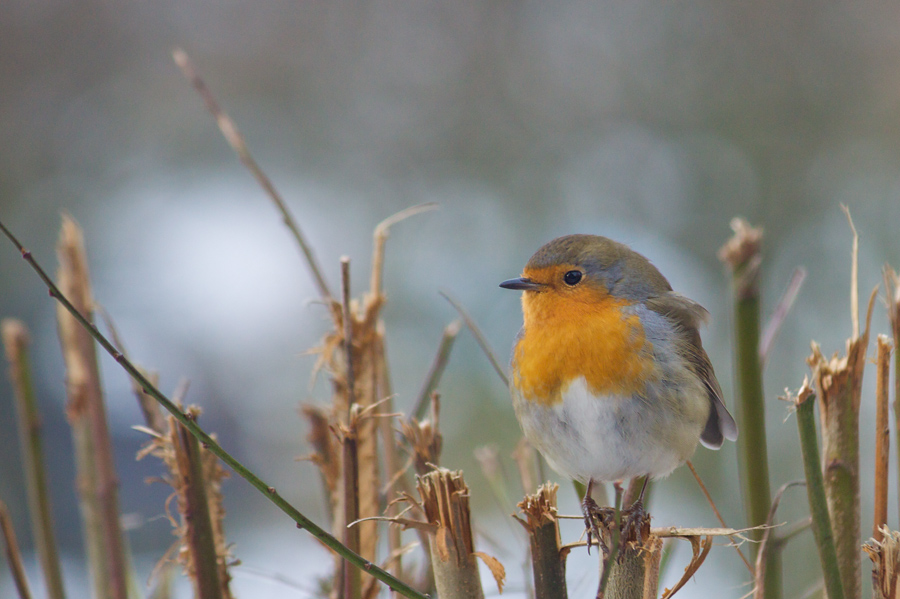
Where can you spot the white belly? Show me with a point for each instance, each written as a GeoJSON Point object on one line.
{"type": "Point", "coordinates": [612, 438]}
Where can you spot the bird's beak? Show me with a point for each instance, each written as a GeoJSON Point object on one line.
{"type": "Point", "coordinates": [522, 284]}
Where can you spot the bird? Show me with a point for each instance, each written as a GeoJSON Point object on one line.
{"type": "Point", "coordinates": [608, 376]}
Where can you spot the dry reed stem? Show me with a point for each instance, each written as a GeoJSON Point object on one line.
{"type": "Point", "coordinates": [390, 448]}
{"type": "Point", "coordinates": [15, 342]}
{"type": "Point", "coordinates": [236, 141]}
{"type": "Point", "coordinates": [885, 556]}
{"type": "Point", "coordinates": [892, 291]}
{"type": "Point", "coordinates": [381, 234]}
{"type": "Point", "coordinates": [882, 434]}
{"type": "Point", "coordinates": [98, 483]}
{"type": "Point", "coordinates": [13, 555]}
{"type": "Point", "coordinates": [325, 454]}
{"type": "Point", "coordinates": [196, 477]}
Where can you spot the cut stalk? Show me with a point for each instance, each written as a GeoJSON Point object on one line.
{"type": "Point", "coordinates": [444, 497]}
{"type": "Point", "coordinates": [542, 526]}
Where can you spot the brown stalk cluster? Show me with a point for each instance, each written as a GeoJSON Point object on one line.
{"type": "Point", "coordinates": [196, 477]}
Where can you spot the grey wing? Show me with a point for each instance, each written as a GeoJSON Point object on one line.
{"type": "Point", "coordinates": [689, 315]}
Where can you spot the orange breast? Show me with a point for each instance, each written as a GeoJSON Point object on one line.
{"type": "Point", "coordinates": [568, 337]}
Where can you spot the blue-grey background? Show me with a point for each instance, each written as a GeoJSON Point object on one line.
{"type": "Point", "coordinates": [653, 123]}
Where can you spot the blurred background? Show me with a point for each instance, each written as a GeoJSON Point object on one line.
{"type": "Point", "coordinates": [652, 123]}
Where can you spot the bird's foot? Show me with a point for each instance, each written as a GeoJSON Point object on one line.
{"type": "Point", "coordinates": [592, 513]}
{"type": "Point", "coordinates": [635, 524]}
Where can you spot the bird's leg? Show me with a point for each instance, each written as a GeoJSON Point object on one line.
{"type": "Point", "coordinates": [590, 508]}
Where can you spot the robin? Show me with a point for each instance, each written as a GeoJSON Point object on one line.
{"type": "Point", "coordinates": [609, 378]}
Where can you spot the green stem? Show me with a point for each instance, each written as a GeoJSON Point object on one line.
{"type": "Point", "coordinates": [302, 521]}
{"type": "Point", "coordinates": [15, 338]}
{"type": "Point", "coordinates": [818, 505]}
{"type": "Point", "coordinates": [751, 411]}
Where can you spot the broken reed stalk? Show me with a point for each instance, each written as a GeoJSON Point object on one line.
{"type": "Point", "coordinates": [547, 560]}
{"type": "Point", "coordinates": [97, 481]}
{"type": "Point", "coordinates": [892, 291]}
{"type": "Point", "coordinates": [205, 440]}
{"type": "Point", "coordinates": [236, 141]}
{"type": "Point", "coordinates": [15, 341]}
{"type": "Point", "coordinates": [882, 434]}
{"type": "Point", "coordinates": [13, 555]}
{"type": "Point", "coordinates": [815, 490]}
{"type": "Point", "coordinates": [885, 556]}
{"type": "Point", "coordinates": [839, 389]}
{"type": "Point", "coordinates": [742, 255]}
{"type": "Point", "coordinates": [195, 476]}
{"type": "Point", "coordinates": [444, 498]}
{"type": "Point", "coordinates": [200, 538]}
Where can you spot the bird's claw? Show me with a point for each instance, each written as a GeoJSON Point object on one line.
{"type": "Point", "coordinates": [593, 512]}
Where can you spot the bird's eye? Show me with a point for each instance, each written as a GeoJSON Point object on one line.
{"type": "Point", "coordinates": [572, 277]}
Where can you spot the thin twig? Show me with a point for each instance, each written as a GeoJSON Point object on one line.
{"type": "Point", "coordinates": [781, 312]}
{"type": "Point", "coordinates": [769, 544]}
{"type": "Point", "coordinates": [382, 231]}
{"type": "Point", "coordinates": [479, 337]}
{"type": "Point", "coordinates": [236, 141]}
{"type": "Point", "coordinates": [718, 514]}
{"type": "Point", "coordinates": [208, 442]}
{"type": "Point", "coordinates": [436, 370]}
